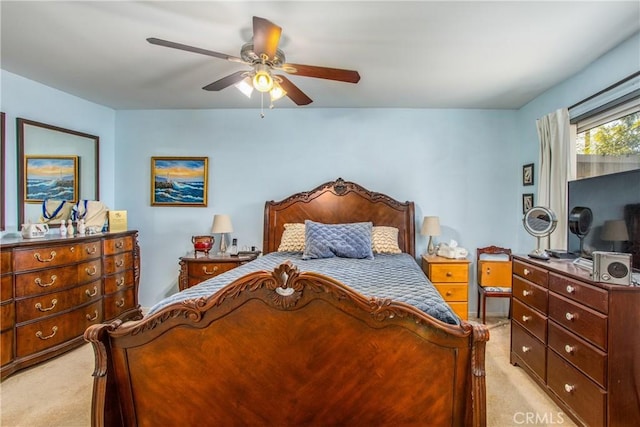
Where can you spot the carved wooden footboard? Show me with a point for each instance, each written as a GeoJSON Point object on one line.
{"type": "Point", "coordinates": [285, 348]}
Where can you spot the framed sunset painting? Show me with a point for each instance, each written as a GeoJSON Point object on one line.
{"type": "Point", "coordinates": [51, 177]}
{"type": "Point", "coordinates": [179, 181]}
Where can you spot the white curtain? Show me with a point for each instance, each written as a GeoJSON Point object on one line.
{"type": "Point", "coordinates": [557, 167]}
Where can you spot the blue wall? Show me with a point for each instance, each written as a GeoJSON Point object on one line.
{"type": "Point", "coordinates": [461, 165]}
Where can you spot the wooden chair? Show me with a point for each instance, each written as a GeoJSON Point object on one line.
{"type": "Point", "coordinates": [493, 276]}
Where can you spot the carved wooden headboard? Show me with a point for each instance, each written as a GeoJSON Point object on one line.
{"type": "Point", "coordinates": [339, 202]}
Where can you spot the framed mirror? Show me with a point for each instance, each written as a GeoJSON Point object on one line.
{"type": "Point", "coordinates": [56, 168]}
{"type": "Point", "coordinates": [539, 221]}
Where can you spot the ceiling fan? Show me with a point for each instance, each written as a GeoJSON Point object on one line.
{"type": "Point", "coordinates": [265, 59]}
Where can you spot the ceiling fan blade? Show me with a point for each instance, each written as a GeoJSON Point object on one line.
{"type": "Point", "coordinates": [226, 81]}
{"type": "Point", "coordinates": [293, 92]}
{"type": "Point", "coordinates": [266, 36]}
{"type": "Point", "coordinates": [338, 74]}
{"type": "Point", "coordinates": [201, 51]}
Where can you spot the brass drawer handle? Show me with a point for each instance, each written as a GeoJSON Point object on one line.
{"type": "Point", "coordinates": [526, 293]}
{"type": "Point", "coordinates": [570, 316]}
{"type": "Point", "coordinates": [570, 289]}
{"type": "Point", "coordinates": [92, 294]}
{"type": "Point", "coordinates": [91, 272]}
{"type": "Point", "coordinates": [46, 285]}
{"type": "Point", "coordinates": [569, 388]}
{"type": "Point", "coordinates": [120, 263]}
{"type": "Point", "coordinates": [205, 271]}
{"type": "Point", "coordinates": [526, 349]}
{"type": "Point", "coordinates": [53, 305]}
{"type": "Point", "coordinates": [525, 319]}
{"type": "Point", "coordinates": [527, 272]}
{"type": "Point", "coordinates": [91, 250]}
{"type": "Point", "coordinates": [120, 282]}
{"type": "Point", "coordinates": [119, 244]}
{"type": "Point", "coordinates": [95, 316]}
{"type": "Point", "coordinates": [569, 349]}
{"type": "Point", "coordinates": [42, 337]}
{"type": "Point", "coordinates": [120, 303]}
{"type": "Point", "coordinates": [37, 256]}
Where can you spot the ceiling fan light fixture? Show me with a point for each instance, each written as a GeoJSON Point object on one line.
{"type": "Point", "coordinates": [262, 80]}
{"type": "Point", "coordinates": [277, 92]}
{"type": "Point", "coordinates": [245, 86]}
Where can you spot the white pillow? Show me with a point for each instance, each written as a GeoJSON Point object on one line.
{"type": "Point", "coordinates": [292, 238]}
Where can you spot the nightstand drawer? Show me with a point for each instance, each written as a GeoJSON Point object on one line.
{"type": "Point", "coordinates": [207, 270]}
{"type": "Point", "coordinates": [460, 308]}
{"type": "Point", "coordinates": [453, 291]}
{"type": "Point", "coordinates": [452, 273]}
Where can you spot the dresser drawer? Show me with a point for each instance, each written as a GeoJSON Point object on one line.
{"type": "Point", "coordinates": [460, 308]}
{"type": "Point", "coordinates": [453, 291]}
{"type": "Point", "coordinates": [52, 256]}
{"type": "Point", "coordinates": [531, 351]}
{"type": "Point", "coordinates": [7, 316]}
{"type": "Point", "coordinates": [205, 270]}
{"type": "Point", "coordinates": [55, 279]}
{"type": "Point", "coordinates": [57, 302]}
{"type": "Point", "coordinates": [48, 332]}
{"type": "Point", "coordinates": [6, 288]}
{"type": "Point", "coordinates": [533, 295]}
{"type": "Point", "coordinates": [584, 293]}
{"type": "Point", "coordinates": [117, 263]}
{"type": "Point", "coordinates": [532, 273]}
{"type": "Point", "coordinates": [89, 271]}
{"type": "Point", "coordinates": [89, 250]}
{"type": "Point", "coordinates": [118, 303]}
{"type": "Point", "coordinates": [6, 266]}
{"type": "Point", "coordinates": [117, 282]}
{"type": "Point", "coordinates": [579, 319]}
{"type": "Point", "coordinates": [117, 245]}
{"type": "Point", "coordinates": [452, 273]}
{"type": "Point", "coordinates": [580, 353]}
{"type": "Point", "coordinates": [587, 400]}
{"type": "Point", "coordinates": [530, 319]}
{"type": "Point", "coordinates": [6, 347]}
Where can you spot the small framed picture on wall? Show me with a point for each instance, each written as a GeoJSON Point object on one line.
{"type": "Point", "coordinates": [527, 202]}
{"type": "Point", "coordinates": [527, 174]}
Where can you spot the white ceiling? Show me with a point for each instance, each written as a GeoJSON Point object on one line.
{"type": "Point", "coordinates": [418, 54]}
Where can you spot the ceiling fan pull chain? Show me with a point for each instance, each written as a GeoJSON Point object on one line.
{"type": "Point", "coordinates": [262, 105]}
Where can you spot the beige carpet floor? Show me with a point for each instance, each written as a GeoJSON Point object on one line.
{"type": "Point", "coordinates": [58, 393]}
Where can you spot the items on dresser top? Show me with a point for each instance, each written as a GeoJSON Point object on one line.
{"type": "Point", "coordinates": [54, 287]}
{"type": "Point", "coordinates": [451, 279]}
{"type": "Point", "coordinates": [578, 339]}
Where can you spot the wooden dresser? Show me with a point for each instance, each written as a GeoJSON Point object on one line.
{"type": "Point", "coordinates": [578, 339]}
{"type": "Point", "coordinates": [451, 278]}
{"type": "Point", "coordinates": [55, 287]}
{"type": "Point", "coordinates": [194, 270]}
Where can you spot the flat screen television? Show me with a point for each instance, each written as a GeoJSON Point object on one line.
{"type": "Point", "coordinates": [610, 197]}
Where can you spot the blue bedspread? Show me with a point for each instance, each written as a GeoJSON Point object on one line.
{"type": "Point", "coordinates": [394, 276]}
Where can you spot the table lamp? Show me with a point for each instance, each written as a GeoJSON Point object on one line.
{"type": "Point", "coordinates": [614, 231]}
{"type": "Point", "coordinates": [222, 225]}
{"type": "Point", "coordinates": [430, 227]}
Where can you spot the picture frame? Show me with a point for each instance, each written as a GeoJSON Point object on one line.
{"type": "Point", "coordinates": [51, 177]}
{"type": "Point", "coordinates": [527, 174]}
{"type": "Point", "coordinates": [179, 181]}
{"type": "Point", "coordinates": [527, 202]}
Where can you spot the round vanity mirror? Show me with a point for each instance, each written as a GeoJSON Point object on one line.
{"type": "Point", "coordinates": [539, 221]}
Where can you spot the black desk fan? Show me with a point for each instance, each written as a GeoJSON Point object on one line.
{"type": "Point", "coordinates": [580, 219]}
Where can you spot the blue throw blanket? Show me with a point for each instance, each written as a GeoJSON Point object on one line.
{"type": "Point", "coordinates": [394, 276]}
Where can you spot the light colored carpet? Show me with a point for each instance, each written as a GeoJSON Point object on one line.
{"type": "Point", "coordinates": [58, 393]}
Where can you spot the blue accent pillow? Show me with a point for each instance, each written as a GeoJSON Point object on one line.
{"type": "Point", "coordinates": [337, 240]}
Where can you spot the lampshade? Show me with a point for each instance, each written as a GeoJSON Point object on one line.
{"type": "Point", "coordinates": [615, 231]}
{"type": "Point", "coordinates": [222, 224]}
{"type": "Point", "coordinates": [245, 86]}
{"type": "Point", "coordinates": [277, 92]}
{"type": "Point", "coordinates": [430, 226]}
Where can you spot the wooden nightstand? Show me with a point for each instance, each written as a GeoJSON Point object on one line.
{"type": "Point", "coordinates": [194, 270]}
{"type": "Point", "coordinates": [451, 278]}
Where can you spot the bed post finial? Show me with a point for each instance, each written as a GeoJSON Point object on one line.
{"type": "Point", "coordinates": [340, 187]}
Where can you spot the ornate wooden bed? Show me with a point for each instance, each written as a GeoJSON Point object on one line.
{"type": "Point", "coordinates": [285, 348]}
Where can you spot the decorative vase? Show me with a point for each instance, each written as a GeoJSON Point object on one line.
{"type": "Point", "coordinates": [70, 230]}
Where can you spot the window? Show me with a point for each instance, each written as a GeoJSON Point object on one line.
{"type": "Point", "coordinates": [607, 129]}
